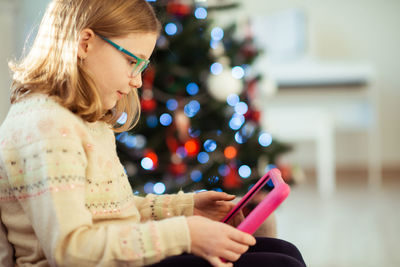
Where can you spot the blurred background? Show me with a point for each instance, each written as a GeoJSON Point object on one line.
{"type": "Point", "coordinates": [319, 79]}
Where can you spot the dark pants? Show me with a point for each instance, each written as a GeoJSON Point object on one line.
{"type": "Point", "coordinates": [269, 252]}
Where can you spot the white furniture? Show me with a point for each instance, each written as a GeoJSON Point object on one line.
{"type": "Point", "coordinates": [315, 100]}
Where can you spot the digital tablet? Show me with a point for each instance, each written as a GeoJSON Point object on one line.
{"type": "Point", "coordinates": [261, 212]}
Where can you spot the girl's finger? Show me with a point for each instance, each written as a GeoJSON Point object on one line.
{"type": "Point", "coordinates": [237, 247]}
{"type": "Point", "coordinates": [230, 255]}
{"type": "Point", "coordinates": [242, 237]}
{"type": "Point", "coordinates": [217, 262]}
{"type": "Point", "coordinates": [221, 196]}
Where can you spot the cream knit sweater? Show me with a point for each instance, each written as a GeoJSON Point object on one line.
{"type": "Point", "coordinates": [65, 199]}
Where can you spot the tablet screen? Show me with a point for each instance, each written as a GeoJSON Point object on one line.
{"type": "Point", "coordinates": [246, 198]}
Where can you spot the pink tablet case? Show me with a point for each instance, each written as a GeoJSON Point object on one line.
{"type": "Point", "coordinates": [260, 213]}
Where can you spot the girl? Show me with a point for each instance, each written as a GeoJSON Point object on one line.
{"type": "Point", "coordinates": [64, 197]}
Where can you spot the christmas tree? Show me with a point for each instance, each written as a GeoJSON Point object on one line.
{"type": "Point", "coordinates": [199, 127]}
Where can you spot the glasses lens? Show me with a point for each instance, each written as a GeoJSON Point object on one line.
{"type": "Point", "coordinates": [139, 67]}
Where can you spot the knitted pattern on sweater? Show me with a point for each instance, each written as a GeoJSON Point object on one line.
{"type": "Point", "coordinates": [65, 199]}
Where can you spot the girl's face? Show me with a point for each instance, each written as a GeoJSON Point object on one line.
{"type": "Point", "coordinates": [110, 68]}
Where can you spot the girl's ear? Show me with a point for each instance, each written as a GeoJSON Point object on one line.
{"type": "Point", "coordinates": [86, 39]}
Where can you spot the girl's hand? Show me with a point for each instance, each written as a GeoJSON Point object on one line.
{"type": "Point", "coordinates": [215, 240]}
{"type": "Point", "coordinates": [213, 205]}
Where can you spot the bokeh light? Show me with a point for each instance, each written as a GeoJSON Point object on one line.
{"type": "Point", "coordinates": [192, 147]}
{"type": "Point", "coordinates": [122, 119]}
{"type": "Point", "coordinates": [171, 28]}
{"type": "Point", "coordinates": [241, 108]}
{"type": "Point", "coordinates": [239, 138]}
{"type": "Point", "coordinates": [203, 157]}
{"type": "Point", "coordinates": [224, 170]}
{"type": "Point", "coordinates": [172, 104]}
{"type": "Point", "coordinates": [192, 89]}
{"type": "Point", "coordinates": [192, 108]}
{"type": "Point", "coordinates": [244, 171]}
{"type": "Point", "coordinates": [159, 188]}
{"type": "Point", "coordinates": [238, 72]}
{"type": "Point", "coordinates": [217, 34]}
{"type": "Point", "coordinates": [200, 13]}
{"type": "Point", "coordinates": [265, 139]}
{"type": "Point", "coordinates": [216, 68]}
{"type": "Point", "coordinates": [147, 163]}
{"type": "Point", "coordinates": [165, 119]}
{"type": "Point", "coordinates": [232, 100]}
{"type": "Point", "coordinates": [196, 176]}
{"type": "Point", "coordinates": [210, 145]}
{"type": "Point", "coordinates": [230, 152]}
{"type": "Point", "coordinates": [148, 188]}
{"type": "Point", "coordinates": [236, 121]}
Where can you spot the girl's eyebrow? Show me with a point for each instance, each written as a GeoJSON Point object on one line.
{"type": "Point", "coordinates": [142, 56]}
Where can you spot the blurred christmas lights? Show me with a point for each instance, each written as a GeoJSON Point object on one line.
{"type": "Point", "coordinates": [230, 152]}
{"type": "Point", "coordinates": [192, 88]}
{"type": "Point", "coordinates": [172, 104]}
{"type": "Point", "coordinates": [238, 72]}
{"type": "Point", "coordinates": [165, 119]}
{"type": "Point", "coordinates": [232, 100]}
{"type": "Point", "coordinates": [122, 119]}
{"type": "Point", "coordinates": [200, 13]}
{"type": "Point", "coordinates": [192, 147]}
{"type": "Point", "coordinates": [148, 188]}
{"type": "Point", "coordinates": [244, 171]}
{"type": "Point", "coordinates": [236, 121]}
{"type": "Point", "coordinates": [171, 28]}
{"type": "Point", "coordinates": [265, 139]}
{"type": "Point", "coordinates": [216, 68]}
{"type": "Point", "coordinates": [224, 170]}
{"type": "Point", "coordinates": [217, 34]}
{"type": "Point", "coordinates": [147, 163]}
{"type": "Point", "coordinates": [239, 138]}
{"type": "Point", "coordinates": [241, 108]}
{"type": "Point", "coordinates": [192, 108]}
{"type": "Point", "coordinates": [210, 145]}
{"type": "Point", "coordinates": [196, 176]}
{"type": "Point", "coordinates": [203, 157]}
{"type": "Point", "coordinates": [159, 188]}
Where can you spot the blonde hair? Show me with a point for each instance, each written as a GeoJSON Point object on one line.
{"type": "Point", "coordinates": [51, 66]}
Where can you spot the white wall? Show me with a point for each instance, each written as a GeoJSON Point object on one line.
{"type": "Point", "coordinates": [7, 29]}
{"type": "Point", "coordinates": [354, 30]}
{"type": "Point", "coordinates": [18, 19]}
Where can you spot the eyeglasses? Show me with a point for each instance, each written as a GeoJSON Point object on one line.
{"type": "Point", "coordinates": [141, 64]}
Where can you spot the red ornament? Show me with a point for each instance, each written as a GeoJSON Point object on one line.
{"type": "Point", "coordinates": [192, 147]}
{"type": "Point", "coordinates": [178, 9]}
{"type": "Point", "coordinates": [172, 144]}
{"type": "Point", "coordinates": [148, 105]}
{"type": "Point", "coordinates": [177, 169]}
{"type": "Point", "coordinates": [253, 115]}
{"type": "Point", "coordinates": [232, 180]}
{"type": "Point", "coordinates": [148, 78]}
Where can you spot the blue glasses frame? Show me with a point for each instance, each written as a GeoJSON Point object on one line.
{"type": "Point", "coordinates": [141, 64]}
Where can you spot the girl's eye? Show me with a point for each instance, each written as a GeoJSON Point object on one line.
{"type": "Point", "coordinates": [132, 62]}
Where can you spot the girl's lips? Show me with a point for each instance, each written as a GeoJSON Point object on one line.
{"type": "Point", "coordinates": [119, 94]}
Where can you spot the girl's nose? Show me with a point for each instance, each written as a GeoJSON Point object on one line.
{"type": "Point", "coordinates": [136, 81]}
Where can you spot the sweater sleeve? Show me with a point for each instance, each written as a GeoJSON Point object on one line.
{"type": "Point", "coordinates": [158, 207]}
{"type": "Point", "coordinates": [6, 250]}
{"type": "Point", "coordinates": [46, 169]}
